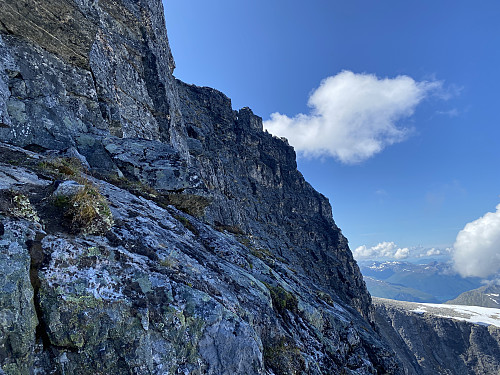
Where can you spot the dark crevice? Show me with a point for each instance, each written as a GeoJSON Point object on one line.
{"type": "Point", "coordinates": [93, 79]}
{"type": "Point", "coordinates": [108, 112]}
{"type": "Point", "coordinates": [99, 100]}
{"type": "Point", "coordinates": [156, 89]}
{"type": "Point", "coordinates": [103, 105]}
{"type": "Point", "coordinates": [4, 26]}
{"type": "Point", "coordinates": [35, 148]}
{"type": "Point", "coordinates": [36, 254]}
{"type": "Point", "coordinates": [37, 260]}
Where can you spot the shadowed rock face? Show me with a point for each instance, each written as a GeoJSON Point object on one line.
{"type": "Point", "coordinates": [222, 258]}
{"type": "Point", "coordinates": [429, 344]}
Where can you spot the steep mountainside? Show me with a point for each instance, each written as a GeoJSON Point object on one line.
{"type": "Point", "coordinates": [436, 339]}
{"type": "Point", "coordinates": [148, 228]}
{"type": "Point", "coordinates": [487, 296]}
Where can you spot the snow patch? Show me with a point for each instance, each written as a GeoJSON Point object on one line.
{"type": "Point", "coordinates": [472, 314]}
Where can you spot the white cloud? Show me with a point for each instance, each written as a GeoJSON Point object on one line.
{"type": "Point", "coordinates": [382, 250]}
{"type": "Point", "coordinates": [390, 250]}
{"type": "Point", "coordinates": [477, 247]}
{"type": "Point", "coordinates": [353, 116]}
{"type": "Point", "coordinates": [432, 252]}
{"type": "Point", "coordinates": [402, 253]}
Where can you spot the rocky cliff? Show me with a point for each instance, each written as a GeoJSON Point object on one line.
{"type": "Point", "coordinates": [146, 226]}
{"type": "Point", "coordinates": [437, 339]}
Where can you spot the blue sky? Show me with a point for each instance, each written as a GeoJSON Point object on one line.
{"type": "Point", "coordinates": [438, 172]}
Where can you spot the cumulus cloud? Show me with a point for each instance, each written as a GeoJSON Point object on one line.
{"type": "Point", "coordinates": [477, 247]}
{"type": "Point", "coordinates": [389, 250]}
{"type": "Point", "coordinates": [431, 252]}
{"type": "Point", "coordinates": [353, 116]}
{"type": "Point", "coordinates": [382, 250]}
{"type": "Point", "coordinates": [402, 253]}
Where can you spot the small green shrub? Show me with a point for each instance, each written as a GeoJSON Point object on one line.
{"type": "Point", "coordinates": [87, 210]}
{"type": "Point", "coordinates": [169, 262]}
{"type": "Point", "coordinates": [20, 206]}
{"type": "Point", "coordinates": [134, 186]}
{"type": "Point", "coordinates": [262, 254]}
{"type": "Point", "coordinates": [187, 224]}
{"type": "Point", "coordinates": [191, 204]}
{"type": "Point", "coordinates": [234, 229]}
{"type": "Point", "coordinates": [244, 240]}
{"type": "Point", "coordinates": [282, 299]}
{"type": "Point", "coordinates": [325, 297]}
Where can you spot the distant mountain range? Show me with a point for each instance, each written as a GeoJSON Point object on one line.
{"type": "Point", "coordinates": [434, 282]}
{"type": "Point", "coordinates": [486, 296]}
{"type": "Point", "coordinates": [379, 288]}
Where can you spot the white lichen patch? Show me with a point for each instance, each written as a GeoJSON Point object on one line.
{"type": "Point", "coordinates": [22, 208]}
{"type": "Point", "coordinates": [71, 271]}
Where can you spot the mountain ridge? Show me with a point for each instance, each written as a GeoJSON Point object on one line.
{"type": "Point", "coordinates": [486, 296]}
{"type": "Point", "coordinates": [146, 227]}
{"type": "Point", "coordinates": [160, 230]}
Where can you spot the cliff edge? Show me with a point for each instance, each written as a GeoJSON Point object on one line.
{"type": "Point", "coordinates": [149, 228]}
{"type": "Point", "coordinates": [441, 339]}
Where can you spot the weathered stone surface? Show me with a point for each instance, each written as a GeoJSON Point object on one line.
{"type": "Point", "coordinates": [165, 293]}
{"type": "Point", "coordinates": [71, 67]}
{"type": "Point", "coordinates": [35, 20]}
{"type": "Point", "coordinates": [18, 319]}
{"type": "Point", "coordinates": [429, 344]}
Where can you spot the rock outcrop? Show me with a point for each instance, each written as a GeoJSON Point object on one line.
{"type": "Point", "coordinates": [429, 343]}
{"type": "Point", "coordinates": [76, 67]}
{"type": "Point", "coordinates": [146, 226]}
{"type": "Point", "coordinates": [161, 292]}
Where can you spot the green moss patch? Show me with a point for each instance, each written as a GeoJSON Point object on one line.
{"type": "Point", "coordinates": [282, 299]}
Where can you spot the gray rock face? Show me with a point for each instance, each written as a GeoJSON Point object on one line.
{"type": "Point", "coordinates": [429, 344]}
{"type": "Point", "coordinates": [239, 160]}
{"type": "Point", "coordinates": [18, 319]}
{"type": "Point", "coordinates": [75, 67]}
{"type": "Point", "coordinates": [164, 293]}
{"type": "Point", "coordinates": [221, 259]}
